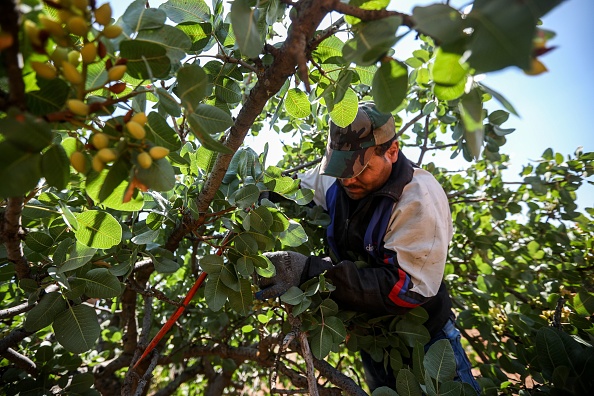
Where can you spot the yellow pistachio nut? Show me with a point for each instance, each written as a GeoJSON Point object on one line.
{"type": "Point", "coordinates": [100, 140]}
{"type": "Point", "coordinates": [107, 155]}
{"type": "Point", "coordinates": [78, 107]}
{"type": "Point", "coordinates": [97, 164]}
{"type": "Point", "coordinates": [139, 118]}
{"type": "Point", "coordinates": [144, 160]}
{"type": "Point", "coordinates": [70, 73]}
{"type": "Point", "coordinates": [53, 27]}
{"type": "Point", "coordinates": [116, 72]}
{"type": "Point", "coordinates": [88, 52]}
{"type": "Point", "coordinates": [136, 130]}
{"type": "Point", "coordinates": [45, 70]}
{"type": "Point", "coordinates": [112, 31]}
{"type": "Point", "coordinates": [103, 14]}
{"type": "Point", "coordinates": [158, 152]}
{"type": "Point", "coordinates": [78, 25]}
{"type": "Point", "coordinates": [78, 161]}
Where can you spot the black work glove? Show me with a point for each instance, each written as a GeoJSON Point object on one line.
{"type": "Point", "coordinates": [289, 268]}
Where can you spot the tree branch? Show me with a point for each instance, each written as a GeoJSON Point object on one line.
{"type": "Point", "coordinates": [9, 21]}
{"type": "Point", "coordinates": [11, 236]}
{"type": "Point", "coordinates": [371, 15]}
{"type": "Point", "coordinates": [20, 361]}
{"type": "Point", "coordinates": [16, 310]}
{"type": "Point", "coordinates": [14, 337]}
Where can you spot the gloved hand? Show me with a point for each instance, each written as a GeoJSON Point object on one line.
{"type": "Point", "coordinates": [289, 267]}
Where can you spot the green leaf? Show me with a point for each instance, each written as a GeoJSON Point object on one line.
{"type": "Point", "coordinates": [407, 384]}
{"type": "Point", "coordinates": [176, 42]}
{"type": "Point", "coordinates": [552, 351]}
{"type": "Point", "coordinates": [471, 112]}
{"type": "Point", "coordinates": [297, 104]}
{"type": "Point", "coordinates": [245, 26]}
{"type": "Point", "coordinates": [229, 277]}
{"type": "Point", "coordinates": [19, 170]}
{"type": "Point", "coordinates": [336, 327]}
{"type": "Point", "coordinates": [505, 28]}
{"type": "Point", "coordinates": [504, 102]}
{"type": "Point", "coordinates": [44, 313]}
{"type": "Point", "coordinates": [50, 98]}
{"type": "Point", "coordinates": [97, 185]}
{"type": "Point", "coordinates": [186, 11]}
{"type": "Point", "coordinates": [39, 241]}
{"type": "Point", "coordinates": [55, 166]}
{"type": "Point", "coordinates": [160, 133]}
{"type": "Point", "coordinates": [412, 333]}
{"type": "Point", "coordinates": [168, 103]}
{"type": "Point", "coordinates": [146, 60]}
{"type": "Point", "coordinates": [246, 196]}
{"type": "Point", "coordinates": [100, 283]}
{"type": "Point", "coordinates": [371, 41]}
{"type": "Point", "coordinates": [241, 300]}
{"type": "Point", "coordinates": [260, 219]}
{"type": "Point", "coordinates": [138, 17]}
{"type": "Point", "coordinates": [440, 21]}
{"type": "Point", "coordinates": [440, 362]}
{"type": "Point", "coordinates": [81, 383]}
{"type": "Point", "coordinates": [417, 315]}
{"type": "Point", "coordinates": [215, 292]}
{"type": "Point", "coordinates": [159, 177]}
{"type": "Point", "coordinates": [212, 264]}
{"type": "Point", "coordinates": [328, 50]}
{"type": "Point", "coordinates": [583, 303]}
{"type": "Point", "coordinates": [498, 117]}
{"type": "Point", "coordinates": [25, 131]}
{"type": "Point", "coordinates": [245, 244]}
{"type": "Point", "coordinates": [384, 391]}
{"type": "Point", "coordinates": [418, 355]}
{"type": "Point", "coordinates": [77, 329]}
{"type": "Point", "coordinates": [227, 90]}
{"type": "Point", "coordinates": [163, 260]}
{"type": "Point", "coordinates": [321, 343]}
{"type": "Point", "coordinates": [294, 236]}
{"type": "Point", "coordinates": [79, 255]}
{"type": "Point", "coordinates": [191, 86]}
{"type": "Point", "coordinates": [98, 229]}
{"type": "Point", "coordinates": [390, 85]}
{"type": "Point", "coordinates": [447, 69]}
{"type": "Point", "coordinates": [199, 33]}
{"type": "Point", "coordinates": [207, 120]}
{"type": "Point", "coordinates": [293, 296]}
{"type": "Point", "coordinates": [448, 92]}
{"type": "Point", "coordinates": [345, 111]}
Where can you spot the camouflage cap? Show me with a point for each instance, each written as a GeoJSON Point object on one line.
{"type": "Point", "coordinates": [349, 149]}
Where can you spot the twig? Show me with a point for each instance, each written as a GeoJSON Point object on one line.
{"type": "Point", "coordinates": [16, 310]}
{"type": "Point", "coordinates": [409, 124]}
{"type": "Point", "coordinates": [312, 382]}
{"type": "Point", "coordinates": [425, 140]}
{"type": "Point", "coordinates": [147, 374]}
{"type": "Point", "coordinates": [302, 166]}
{"type": "Point", "coordinates": [371, 15]}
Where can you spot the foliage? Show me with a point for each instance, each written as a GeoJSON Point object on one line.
{"type": "Point", "coordinates": [125, 176]}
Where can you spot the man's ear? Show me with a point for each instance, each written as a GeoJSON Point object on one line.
{"type": "Point", "coordinates": [392, 152]}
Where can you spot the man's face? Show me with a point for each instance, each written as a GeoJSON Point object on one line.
{"type": "Point", "coordinates": [373, 177]}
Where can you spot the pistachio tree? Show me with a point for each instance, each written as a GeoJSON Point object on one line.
{"type": "Point", "coordinates": [134, 216]}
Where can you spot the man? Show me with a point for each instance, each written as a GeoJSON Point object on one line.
{"type": "Point", "coordinates": [385, 212]}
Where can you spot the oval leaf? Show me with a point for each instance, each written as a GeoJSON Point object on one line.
{"type": "Point", "coordinates": [77, 329]}
{"type": "Point", "coordinates": [98, 229]}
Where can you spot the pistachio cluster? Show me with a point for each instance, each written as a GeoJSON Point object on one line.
{"type": "Point", "coordinates": [75, 44]}
{"type": "Point", "coordinates": [107, 148]}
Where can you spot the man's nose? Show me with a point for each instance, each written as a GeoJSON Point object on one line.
{"type": "Point", "coordinates": [348, 182]}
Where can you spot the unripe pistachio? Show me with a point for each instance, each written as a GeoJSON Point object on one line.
{"type": "Point", "coordinates": [74, 57]}
{"type": "Point", "coordinates": [97, 164]}
{"type": "Point", "coordinates": [158, 152]}
{"type": "Point", "coordinates": [103, 14]}
{"type": "Point", "coordinates": [116, 72]}
{"type": "Point", "coordinates": [136, 130]}
{"type": "Point", "coordinates": [117, 88]}
{"type": "Point", "coordinates": [44, 70]}
{"type": "Point", "coordinates": [32, 32]}
{"type": "Point", "coordinates": [78, 161]}
{"type": "Point", "coordinates": [112, 31]}
{"type": "Point", "coordinates": [107, 155]}
{"type": "Point", "coordinates": [60, 54]}
{"type": "Point", "coordinates": [88, 52]}
{"type": "Point", "coordinates": [78, 107]}
{"type": "Point", "coordinates": [70, 73]}
{"type": "Point", "coordinates": [139, 118]}
{"type": "Point", "coordinates": [100, 140]}
{"type": "Point", "coordinates": [53, 27]}
{"type": "Point", "coordinates": [78, 25]}
{"type": "Point", "coordinates": [144, 160]}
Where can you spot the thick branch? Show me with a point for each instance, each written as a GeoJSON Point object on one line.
{"type": "Point", "coordinates": [16, 310]}
{"type": "Point", "coordinates": [13, 338]}
{"type": "Point", "coordinates": [11, 236]}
